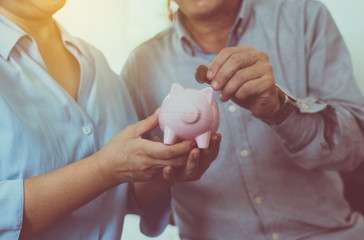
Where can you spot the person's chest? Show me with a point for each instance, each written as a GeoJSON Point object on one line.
{"type": "Point", "coordinates": [42, 127]}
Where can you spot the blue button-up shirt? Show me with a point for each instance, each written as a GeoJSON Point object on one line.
{"type": "Point", "coordinates": [42, 128]}
{"type": "Point", "coordinates": [268, 182]}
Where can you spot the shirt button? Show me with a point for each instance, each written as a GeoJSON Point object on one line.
{"type": "Point", "coordinates": [244, 153]}
{"type": "Point", "coordinates": [305, 106]}
{"type": "Point", "coordinates": [258, 200]}
{"type": "Point", "coordinates": [275, 236]}
{"type": "Point", "coordinates": [86, 130]}
{"type": "Point", "coordinates": [232, 108]}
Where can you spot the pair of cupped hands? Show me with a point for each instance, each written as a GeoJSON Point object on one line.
{"type": "Point", "coordinates": [242, 74]}
{"type": "Point", "coordinates": [130, 158]}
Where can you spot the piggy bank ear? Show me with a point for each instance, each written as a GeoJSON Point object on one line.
{"type": "Point", "coordinates": [176, 89]}
{"type": "Point", "coordinates": [208, 93]}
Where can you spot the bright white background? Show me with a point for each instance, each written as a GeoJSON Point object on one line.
{"type": "Point", "coordinates": [118, 26]}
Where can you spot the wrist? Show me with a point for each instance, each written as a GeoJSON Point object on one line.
{"type": "Point", "coordinates": [106, 174]}
{"type": "Point", "coordinates": [279, 103]}
{"type": "Point", "coordinates": [287, 105]}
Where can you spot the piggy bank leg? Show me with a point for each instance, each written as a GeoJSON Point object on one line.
{"type": "Point", "coordinates": [169, 136]}
{"type": "Point", "coordinates": [203, 140]}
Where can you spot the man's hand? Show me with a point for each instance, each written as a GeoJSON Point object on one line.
{"type": "Point", "coordinates": [197, 163]}
{"type": "Point", "coordinates": [246, 77]}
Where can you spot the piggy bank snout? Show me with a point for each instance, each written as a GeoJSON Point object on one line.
{"type": "Point", "coordinates": [190, 114]}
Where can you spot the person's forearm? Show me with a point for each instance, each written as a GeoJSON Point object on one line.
{"type": "Point", "coordinates": [148, 192]}
{"type": "Point", "coordinates": [50, 196]}
{"type": "Point", "coordinates": [330, 139]}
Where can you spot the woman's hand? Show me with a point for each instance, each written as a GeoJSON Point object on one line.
{"type": "Point", "coordinates": [129, 158]}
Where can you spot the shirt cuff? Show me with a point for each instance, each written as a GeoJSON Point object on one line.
{"type": "Point", "coordinates": [11, 208]}
{"type": "Point", "coordinates": [303, 129]}
{"type": "Point", "coordinates": [155, 219]}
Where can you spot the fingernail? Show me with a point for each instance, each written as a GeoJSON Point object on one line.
{"type": "Point", "coordinates": [222, 98]}
{"type": "Point", "coordinates": [215, 85]}
{"type": "Point", "coordinates": [210, 74]}
{"type": "Point", "coordinates": [195, 156]}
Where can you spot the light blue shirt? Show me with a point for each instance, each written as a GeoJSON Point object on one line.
{"type": "Point", "coordinates": [268, 182]}
{"type": "Point", "coordinates": [42, 128]}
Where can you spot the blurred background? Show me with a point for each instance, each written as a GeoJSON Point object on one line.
{"type": "Point", "coordinates": [116, 27]}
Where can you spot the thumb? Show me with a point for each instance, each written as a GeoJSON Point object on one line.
{"type": "Point", "coordinates": [148, 124]}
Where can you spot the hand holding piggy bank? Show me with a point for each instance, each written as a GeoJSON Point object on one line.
{"type": "Point", "coordinates": [188, 113]}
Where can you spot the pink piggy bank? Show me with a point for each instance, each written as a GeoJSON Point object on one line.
{"type": "Point", "coordinates": [188, 113]}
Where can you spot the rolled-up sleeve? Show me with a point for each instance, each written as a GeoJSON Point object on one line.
{"type": "Point", "coordinates": [155, 219]}
{"type": "Point", "coordinates": [11, 208]}
{"type": "Point", "coordinates": [328, 130]}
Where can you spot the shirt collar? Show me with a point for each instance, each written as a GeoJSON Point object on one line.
{"type": "Point", "coordinates": [241, 19]}
{"type": "Point", "coordinates": [236, 31]}
{"type": "Point", "coordinates": [10, 35]}
{"type": "Point", "coordinates": [68, 39]}
{"type": "Point", "coordinates": [75, 43]}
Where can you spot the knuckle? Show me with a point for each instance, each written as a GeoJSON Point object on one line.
{"type": "Point", "coordinates": [268, 67]}
{"type": "Point", "coordinates": [250, 49]}
{"type": "Point", "coordinates": [225, 51]}
{"type": "Point", "coordinates": [235, 59]}
{"type": "Point", "coordinates": [246, 89]}
{"type": "Point", "coordinates": [213, 66]}
{"type": "Point", "coordinates": [225, 95]}
{"type": "Point", "coordinates": [221, 75]}
{"type": "Point", "coordinates": [263, 55]}
{"type": "Point", "coordinates": [239, 94]}
{"type": "Point", "coordinates": [243, 92]}
{"type": "Point", "coordinates": [168, 153]}
{"type": "Point", "coordinates": [241, 75]}
{"type": "Point", "coordinates": [268, 78]}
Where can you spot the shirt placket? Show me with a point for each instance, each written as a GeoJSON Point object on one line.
{"type": "Point", "coordinates": [244, 156]}
{"type": "Point", "coordinates": [86, 125]}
